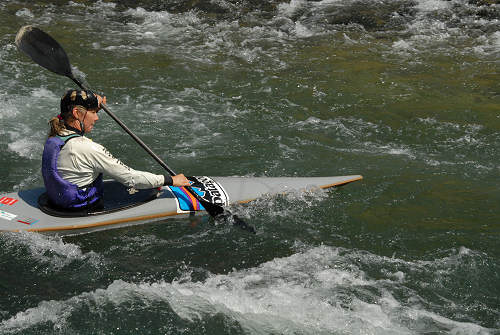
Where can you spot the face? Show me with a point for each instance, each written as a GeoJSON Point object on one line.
{"type": "Point", "coordinates": [88, 119]}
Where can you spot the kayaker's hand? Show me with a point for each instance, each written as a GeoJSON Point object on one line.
{"type": "Point", "coordinates": [100, 100]}
{"type": "Point", "coordinates": [180, 180]}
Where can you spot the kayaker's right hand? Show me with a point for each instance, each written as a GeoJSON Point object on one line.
{"type": "Point", "coordinates": [180, 180]}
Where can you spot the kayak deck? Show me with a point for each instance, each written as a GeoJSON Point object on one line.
{"type": "Point", "coordinates": [19, 211]}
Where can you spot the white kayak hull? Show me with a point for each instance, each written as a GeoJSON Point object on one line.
{"type": "Point", "coordinates": [19, 211]}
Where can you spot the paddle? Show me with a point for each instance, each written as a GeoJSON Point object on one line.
{"type": "Point", "coordinates": [45, 51]}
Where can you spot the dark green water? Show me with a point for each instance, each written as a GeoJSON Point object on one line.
{"type": "Point", "coordinates": [405, 93]}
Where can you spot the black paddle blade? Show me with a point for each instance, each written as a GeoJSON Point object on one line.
{"type": "Point", "coordinates": [219, 213]}
{"type": "Point", "coordinates": [44, 50]}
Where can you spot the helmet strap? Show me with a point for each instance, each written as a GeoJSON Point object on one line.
{"type": "Point", "coordinates": [82, 125]}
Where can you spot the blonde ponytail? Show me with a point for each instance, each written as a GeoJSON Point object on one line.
{"type": "Point", "coordinates": [57, 125]}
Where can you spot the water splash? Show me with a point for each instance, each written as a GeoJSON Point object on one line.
{"type": "Point", "coordinates": [50, 252]}
{"type": "Point", "coordinates": [315, 291]}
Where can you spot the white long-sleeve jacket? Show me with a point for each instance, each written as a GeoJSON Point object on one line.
{"type": "Point", "coordinates": [81, 161]}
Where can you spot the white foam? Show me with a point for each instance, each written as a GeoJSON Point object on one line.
{"type": "Point", "coordinates": [190, 36]}
{"type": "Point", "coordinates": [75, 4]}
{"type": "Point", "coordinates": [51, 250]}
{"type": "Point", "coordinates": [47, 311]}
{"type": "Point", "coordinates": [496, 39]}
{"type": "Point", "coordinates": [339, 124]}
{"type": "Point", "coordinates": [316, 291]}
{"type": "Point", "coordinates": [448, 27]}
{"type": "Point", "coordinates": [289, 9]}
{"type": "Point", "coordinates": [296, 202]}
{"type": "Point", "coordinates": [104, 5]}
{"type": "Point", "coordinates": [45, 94]}
{"type": "Point", "coordinates": [358, 131]}
{"type": "Point", "coordinates": [9, 111]}
{"type": "Point", "coordinates": [459, 134]}
{"type": "Point", "coordinates": [363, 137]}
{"type": "Point", "coordinates": [26, 147]}
{"type": "Point", "coordinates": [138, 243]}
{"type": "Point", "coordinates": [26, 13]}
{"type": "Point", "coordinates": [432, 5]}
{"type": "Point", "coordinates": [25, 142]}
{"type": "Point", "coordinates": [26, 138]}
{"type": "Point", "coordinates": [486, 45]}
{"type": "Point", "coordinates": [150, 17]}
{"type": "Point", "coordinates": [403, 45]}
{"type": "Point", "coordinates": [303, 31]}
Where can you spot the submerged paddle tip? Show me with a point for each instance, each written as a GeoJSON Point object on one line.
{"type": "Point", "coordinates": [227, 216]}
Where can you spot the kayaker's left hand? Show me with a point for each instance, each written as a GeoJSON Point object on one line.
{"type": "Point", "coordinates": [100, 100]}
{"type": "Point", "coordinates": [180, 180]}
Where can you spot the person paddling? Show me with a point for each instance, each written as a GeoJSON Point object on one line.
{"type": "Point", "coordinates": [73, 165]}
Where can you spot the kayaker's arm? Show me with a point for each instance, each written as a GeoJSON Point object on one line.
{"type": "Point", "coordinates": [103, 161]}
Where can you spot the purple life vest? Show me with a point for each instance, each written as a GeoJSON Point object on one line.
{"type": "Point", "coordinates": [61, 192]}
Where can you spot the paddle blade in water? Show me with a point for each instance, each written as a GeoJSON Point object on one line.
{"type": "Point", "coordinates": [44, 50]}
{"type": "Point", "coordinates": [219, 213]}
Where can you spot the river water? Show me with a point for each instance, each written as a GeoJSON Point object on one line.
{"type": "Point", "coordinates": [404, 92]}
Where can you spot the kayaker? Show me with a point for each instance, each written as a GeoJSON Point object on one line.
{"type": "Point", "coordinates": [73, 165]}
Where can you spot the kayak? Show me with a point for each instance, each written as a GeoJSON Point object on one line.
{"type": "Point", "coordinates": [31, 211]}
